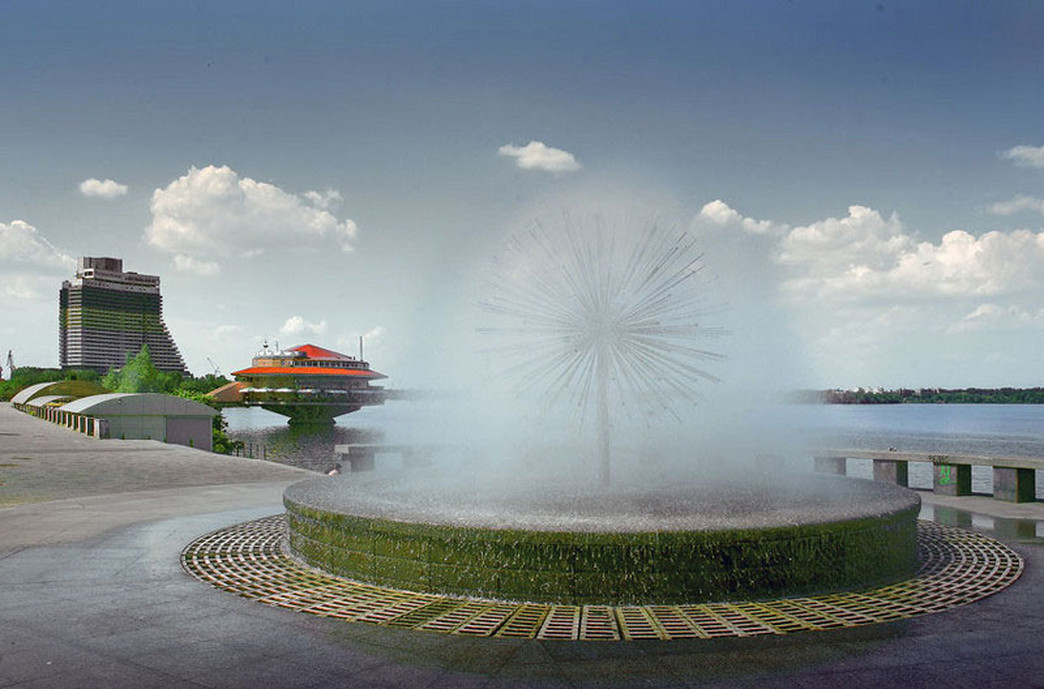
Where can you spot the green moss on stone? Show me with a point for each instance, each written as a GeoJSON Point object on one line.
{"type": "Point", "coordinates": [621, 568]}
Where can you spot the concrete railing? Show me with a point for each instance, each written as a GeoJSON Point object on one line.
{"type": "Point", "coordinates": [1014, 478]}
{"type": "Point", "coordinates": [81, 423]}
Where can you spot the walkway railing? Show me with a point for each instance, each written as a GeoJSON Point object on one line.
{"type": "Point", "coordinates": [251, 450]}
{"type": "Point", "coordinates": [81, 423]}
{"type": "Point", "coordinates": [1014, 478]}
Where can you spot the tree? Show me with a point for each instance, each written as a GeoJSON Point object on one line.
{"type": "Point", "coordinates": [25, 376]}
{"type": "Point", "coordinates": [139, 374]}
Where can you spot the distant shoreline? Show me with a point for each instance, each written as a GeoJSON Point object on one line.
{"type": "Point", "coordinates": [925, 396]}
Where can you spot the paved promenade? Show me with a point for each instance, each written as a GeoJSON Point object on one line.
{"type": "Point", "coordinates": [92, 595]}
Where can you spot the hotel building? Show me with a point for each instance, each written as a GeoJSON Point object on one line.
{"type": "Point", "coordinates": [105, 314]}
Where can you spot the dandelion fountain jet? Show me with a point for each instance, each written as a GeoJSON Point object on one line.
{"type": "Point", "coordinates": [598, 319]}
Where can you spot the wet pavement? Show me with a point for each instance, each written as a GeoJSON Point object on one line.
{"type": "Point", "coordinates": [92, 594]}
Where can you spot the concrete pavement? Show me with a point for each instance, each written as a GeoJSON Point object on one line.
{"type": "Point", "coordinates": [92, 595]}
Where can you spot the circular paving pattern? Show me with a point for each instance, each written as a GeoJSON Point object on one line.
{"type": "Point", "coordinates": [250, 559]}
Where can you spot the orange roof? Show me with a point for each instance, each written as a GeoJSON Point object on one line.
{"type": "Point", "coordinates": [313, 352]}
{"type": "Point", "coordinates": [308, 371]}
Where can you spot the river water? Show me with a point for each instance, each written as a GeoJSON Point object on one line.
{"type": "Point", "coordinates": [984, 429]}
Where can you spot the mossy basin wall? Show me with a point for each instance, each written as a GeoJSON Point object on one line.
{"type": "Point", "coordinates": [855, 533]}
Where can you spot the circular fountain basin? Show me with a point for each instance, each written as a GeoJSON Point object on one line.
{"type": "Point", "coordinates": [673, 543]}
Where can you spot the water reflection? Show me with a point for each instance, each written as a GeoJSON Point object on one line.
{"type": "Point", "coordinates": [267, 436]}
{"type": "Point", "coordinates": [999, 527]}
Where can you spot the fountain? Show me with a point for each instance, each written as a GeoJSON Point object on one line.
{"type": "Point", "coordinates": [596, 320]}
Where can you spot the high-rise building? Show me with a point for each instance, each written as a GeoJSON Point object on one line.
{"type": "Point", "coordinates": [106, 314]}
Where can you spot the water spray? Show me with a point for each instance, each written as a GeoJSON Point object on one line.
{"type": "Point", "coordinates": [601, 314]}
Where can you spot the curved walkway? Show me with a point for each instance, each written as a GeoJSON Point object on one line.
{"type": "Point", "coordinates": [92, 594]}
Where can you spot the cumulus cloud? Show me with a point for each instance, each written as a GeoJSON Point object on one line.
{"type": "Point", "coordinates": [188, 264]}
{"type": "Point", "coordinates": [861, 239]}
{"type": "Point", "coordinates": [719, 213]}
{"type": "Point", "coordinates": [212, 213]}
{"type": "Point", "coordinates": [865, 256]}
{"type": "Point", "coordinates": [30, 268]}
{"type": "Point", "coordinates": [1025, 156]}
{"type": "Point", "coordinates": [960, 265]}
{"type": "Point", "coordinates": [102, 189]}
{"type": "Point", "coordinates": [865, 294]}
{"type": "Point", "coordinates": [21, 244]}
{"type": "Point", "coordinates": [1018, 204]}
{"type": "Point", "coordinates": [537, 156]}
{"type": "Point", "coordinates": [331, 198]}
{"type": "Point", "coordinates": [296, 326]}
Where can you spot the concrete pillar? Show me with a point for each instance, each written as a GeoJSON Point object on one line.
{"type": "Point", "coordinates": [1014, 485]}
{"type": "Point", "coordinates": [831, 465]}
{"type": "Point", "coordinates": [951, 479]}
{"type": "Point", "coordinates": [894, 471]}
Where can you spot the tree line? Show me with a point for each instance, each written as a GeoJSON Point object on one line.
{"type": "Point", "coordinates": [928, 396]}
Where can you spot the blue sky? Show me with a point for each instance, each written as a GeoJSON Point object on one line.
{"type": "Point", "coordinates": [712, 116]}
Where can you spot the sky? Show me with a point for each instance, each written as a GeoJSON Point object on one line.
{"type": "Point", "coordinates": [867, 178]}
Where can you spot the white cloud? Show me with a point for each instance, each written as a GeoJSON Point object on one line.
{"type": "Point", "coordinates": [1025, 156]}
{"type": "Point", "coordinates": [990, 316]}
{"type": "Point", "coordinates": [188, 264]}
{"type": "Point", "coordinates": [102, 189]}
{"type": "Point", "coordinates": [537, 156]}
{"type": "Point", "coordinates": [20, 244]}
{"type": "Point", "coordinates": [865, 294]}
{"type": "Point", "coordinates": [212, 213]}
{"type": "Point", "coordinates": [296, 326]}
{"type": "Point", "coordinates": [31, 270]}
{"type": "Point", "coordinates": [1017, 204]}
{"type": "Point", "coordinates": [960, 265]}
{"type": "Point", "coordinates": [862, 239]}
{"type": "Point", "coordinates": [325, 199]}
{"type": "Point", "coordinates": [866, 257]}
{"type": "Point", "coordinates": [718, 213]}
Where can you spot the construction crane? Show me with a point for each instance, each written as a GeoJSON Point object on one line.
{"type": "Point", "coordinates": [217, 371]}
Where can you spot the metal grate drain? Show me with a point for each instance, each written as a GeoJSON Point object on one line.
{"type": "Point", "coordinates": [957, 567]}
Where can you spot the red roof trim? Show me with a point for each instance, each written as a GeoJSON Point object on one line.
{"type": "Point", "coordinates": [313, 352]}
